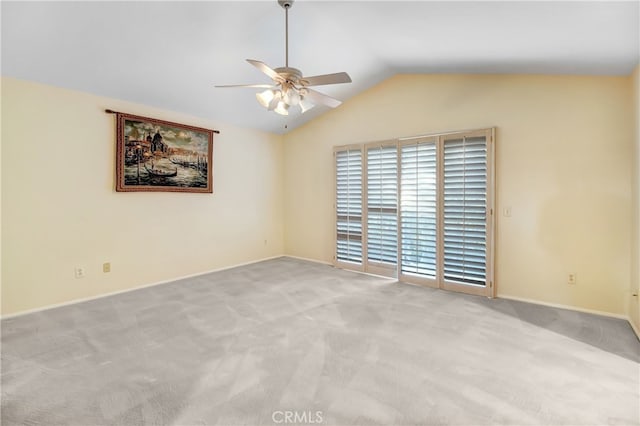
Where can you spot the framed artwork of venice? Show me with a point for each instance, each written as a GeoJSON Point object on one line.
{"type": "Point", "coordinates": [157, 155]}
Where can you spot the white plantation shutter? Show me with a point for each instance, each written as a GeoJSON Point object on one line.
{"type": "Point", "coordinates": [419, 208]}
{"type": "Point", "coordinates": [382, 204]}
{"type": "Point", "coordinates": [465, 210]}
{"type": "Point", "coordinates": [418, 214]}
{"type": "Point", "coordinates": [349, 205]}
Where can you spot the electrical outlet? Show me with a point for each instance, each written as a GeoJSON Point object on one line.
{"type": "Point", "coordinates": [79, 272]}
{"type": "Point", "coordinates": [571, 279]}
{"type": "Point", "coordinates": [106, 267]}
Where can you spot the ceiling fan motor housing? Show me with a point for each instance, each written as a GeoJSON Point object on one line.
{"type": "Point", "coordinates": [289, 74]}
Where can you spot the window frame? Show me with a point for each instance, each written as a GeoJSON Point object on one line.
{"type": "Point", "coordinates": [489, 289]}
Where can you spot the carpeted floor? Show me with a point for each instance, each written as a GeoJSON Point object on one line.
{"type": "Point", "coordinates": [285, 341]}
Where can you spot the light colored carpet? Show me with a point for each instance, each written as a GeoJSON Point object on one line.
{"type": "Point", "coordinates": [285, 337]}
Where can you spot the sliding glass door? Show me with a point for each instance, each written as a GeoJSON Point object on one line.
{"type": "Point", "coordinates": [349, 236]}
{"type": "Point", "coordinates": [419, 209]}
{"type": "Point", "coordinates": [465, 213]}
{"type": "Point", "coordinates": [382, 208]}
{"type": "Point", "coordinates": [418, 212]}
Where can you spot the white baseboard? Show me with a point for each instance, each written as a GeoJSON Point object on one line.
{"type": "Point", "coordinates": [308, 260]}
{"type": "Point", "coordinates": [561, 306]}
{"type": "Point", "coordinates": [635, 329]}
{"type": "Point", "coordinates": [100, 296]}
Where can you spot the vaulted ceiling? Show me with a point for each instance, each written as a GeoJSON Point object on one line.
{"type": "Point", "coordinates": [170, 54]}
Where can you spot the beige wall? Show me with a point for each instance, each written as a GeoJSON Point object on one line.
{"type": "Point", "coordinates": [634, 304]}
{"type": "Point", "coordinates": [1, 223]}
{"type": "Point", "coordinates": [563, 149]}
{"type": "Point", "coordinates": [60, 209]}
{"type": "Point", "coordinates": [563, 145]}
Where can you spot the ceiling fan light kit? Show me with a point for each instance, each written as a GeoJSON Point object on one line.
{"type": "Point", "coordinates": [289, 87]}
{"type": "Point", "coordinates": [266, 98]}
{"type": "Point", "coordinates": [282, 108]}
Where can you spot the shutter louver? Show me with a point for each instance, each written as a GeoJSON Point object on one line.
{"type": "Point", "coordinates": [349, 206]}
{"type": "Point", "coordinates": [382, 204]}
{"type": "Point", "coordinates": [418, 212]}
{"type": "Point", "coordinates": [465, 210]}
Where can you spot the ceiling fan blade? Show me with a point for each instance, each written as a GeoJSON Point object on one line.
{"type": "Point", "coordinates": [319, 80]}
{"type": "Point", "coordinates": [265, 86]}
{"type": "Point", "coordinates": [264, 68]}
{"type": "Point", "coordinates": [321, 98]}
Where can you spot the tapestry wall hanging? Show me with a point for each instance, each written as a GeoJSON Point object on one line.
{"type": "Point", "coordinates": [157, 155]}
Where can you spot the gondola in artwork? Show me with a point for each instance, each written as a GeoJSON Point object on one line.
{"type": "Point", "coordinates": [157, 155]}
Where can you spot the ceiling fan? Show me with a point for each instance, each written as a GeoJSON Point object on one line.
{"type": "Point", "coordinates": [290, 87]}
